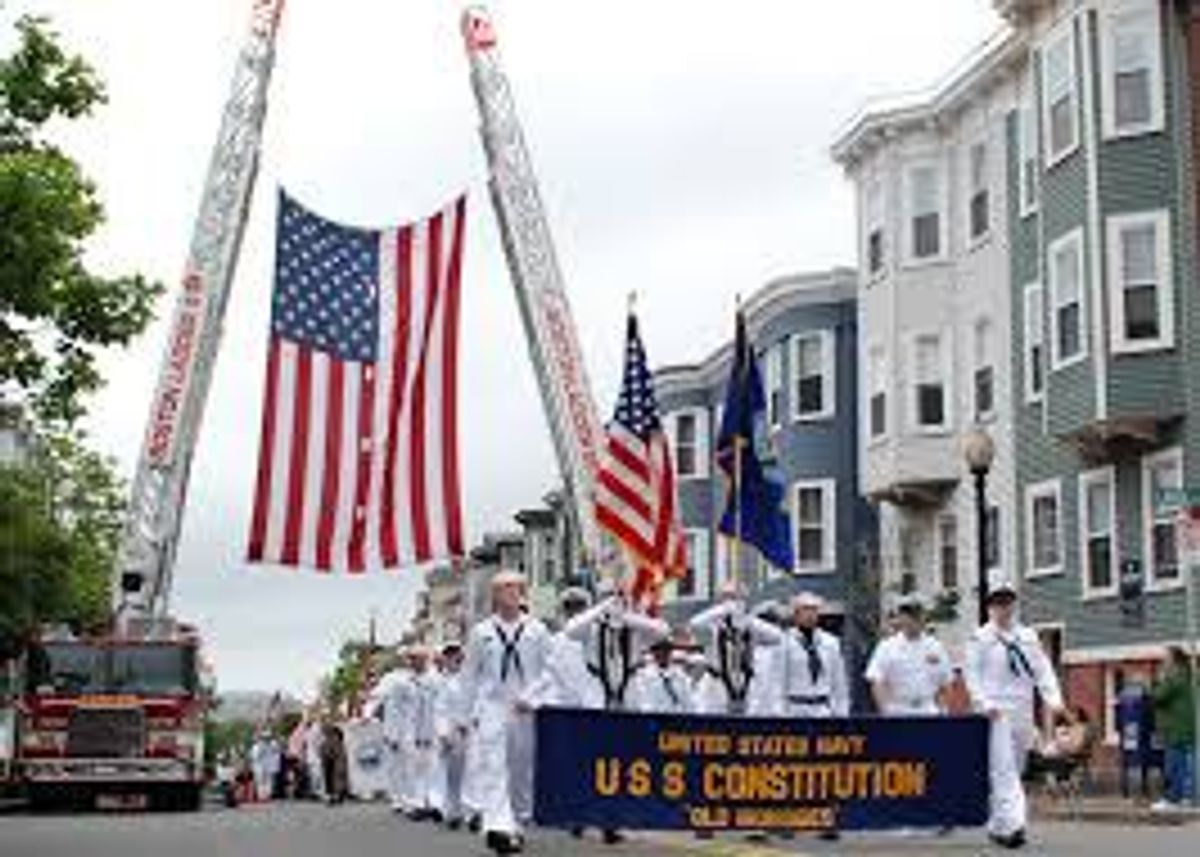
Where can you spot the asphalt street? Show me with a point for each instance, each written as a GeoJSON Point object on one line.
{"type": "Point", "coordinates": [309, 830]}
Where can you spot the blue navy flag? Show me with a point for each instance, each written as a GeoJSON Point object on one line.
{"type": "Point", "coordinates": [755, 511]}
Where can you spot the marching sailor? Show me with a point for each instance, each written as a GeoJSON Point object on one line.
{"type": "Point", "coordinates": [735, 635]}
{"type": "Point", "coordinates": [762, 700]}
{"type": "Point", "coordinates": [506, 654]}
{"type": "Point", "coordinates": [396, 691]}
{"type": "Point", "coordinates": [909, 671]}
{"type": "Point", "coordinates": [451, 719]}
{"type": "Point", "coordinates": [661, 686]}
{"type": "Point", "coordinates": [425, 784]}
{"type": "Point", "coordinates": [1005, 666]}
{"type": "Point", "coordinates": [812, 669]}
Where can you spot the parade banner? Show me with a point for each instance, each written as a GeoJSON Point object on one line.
{"type": "Point", "coordinates": [647, 772]}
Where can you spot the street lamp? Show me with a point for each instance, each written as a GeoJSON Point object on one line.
{"type": "Point", "coordinates": [980, 451]}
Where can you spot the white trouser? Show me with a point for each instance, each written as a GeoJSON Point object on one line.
{"type": "Point", "coordinates": [454, 759]}
{"type": "Point", "coordinates": [262, 782]}
{"type": "Point", "coordinates": [396, 758]}
{"type": "Point", "coordinates": [503, 776]}
{"type": "Point", "coordinates": [316, 774]}
{"type": "Point", "coordinates": [1012, 735]}
{"type": "Point", "coordinates": [425, 783]}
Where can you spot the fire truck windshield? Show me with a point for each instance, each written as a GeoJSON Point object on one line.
{"type": "Point", "coordinates": [82, 668]}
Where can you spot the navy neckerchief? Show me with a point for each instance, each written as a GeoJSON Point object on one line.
{"type": "Point", "coordinates": [511, 658]}
{"type": "Point", "coordinates": [614, 685]}
{"type": "Point", "coordinates": [808, 639]}
{"type": "Point", "coordinates": [1018, 661]}
{"type": "Point", "coordinates": [665, 675]}
{"type": "Point", "coordinates": [735, 665]}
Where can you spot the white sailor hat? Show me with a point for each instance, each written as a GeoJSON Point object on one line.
{"type": "Point", "coordinates": [910, 603]}
{"type": "Point", "coordinates": [574, 595]}
{"type": "Point", "coordinates": [508, 577]}
{"type": "Point", "coordinates": [807, 599]}
{"type": "Point", "coordinates": [1003, 590]}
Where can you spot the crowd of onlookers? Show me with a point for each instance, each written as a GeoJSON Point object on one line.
{"type": "Point", "coordinates": [311, 764]}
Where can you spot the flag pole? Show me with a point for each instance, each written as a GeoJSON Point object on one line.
{"type": "Point", "coordinates": [735, 573]}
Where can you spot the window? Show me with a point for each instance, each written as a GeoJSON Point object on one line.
{"type": "Point", "coordinates": [948, 551]}
{"type": "Point", "coordinates": [977, 181]}
{"type": "Point", "coordinates": [774, 363]}
{"type": "Point", "coordinates": [1035, 342]}
{"type": "Point", "coordinates": [1161, 474]}
{"type": "Point", "coordinates": [813, 515]}
{"type": "Point", "coordinates": [691, 443]}
{"type": "Point", "coordinates": [1141, 292]}
{"type": "Point", "coordinates": [991, 544]}
{"type": "Point", "coordinates": [691, 584]}
{"type": "Point", "coordinates": [1027, 141]}
{"type": "Point", "coordinates": [877, 366]}
{"type": "Point", "coordinates": [985, 363]}
{"type": "Point", "coordinates": [813, 362]}
{"type": "Point", "coordinates": [1097, 525]}
{"type": "Point", "coordinates": [874, 219]}
{"type": "Point", "coordinates": [1066, 290]}
{"type": "Point", "coordinates": [929, 382]}
{"type": "Point", "coordinates": [1060, 115]}
{"type": "Point", "coordinates": [1131, 59]}
{"type": "Point", "coordinates": [925, 207]}
{"type": "Point", "coordinates": [1044, 523]}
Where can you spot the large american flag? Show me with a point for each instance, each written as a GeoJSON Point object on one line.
{"type": "Point", "coordinates": [358, 454]}
{"type": "Point", "coordinates": [635, 499]}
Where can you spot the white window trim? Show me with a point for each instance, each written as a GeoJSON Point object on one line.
{"type": "Point", "coordinates": [974, 242]}
{"type": "Point", "coordinates": [1028, 113]}
{"type": "Point", "coordinates": [984, 322]}
{"type": "Point", "coordinates": [940, 545]}
{"type": "Point", "coordinates": [828, 488]}
{"type": "Point", "coordinates": [1056, 362]}
{"type": "Point", "coordinates": [874, 182]}
{"type": "Point", "coordinates": [828, 375]}
{"type": "Point", "coordinates": [947, 360]}
{"type": "Point", "coordinates": [871, 389]}
{"type": "Point", "coordinates": [1166, 282]}
{"type": "Point", "coordinates": [1033, 396]}
{"type": "Point", "coordinates": [1086, 480]}
{"type": "Point", "coordinates": [1035, 491]}
{"type": "Point", "coordinates": [1065, 30]}
{"type": "Point", "coordinates": [702, 443]}
{"type": "Point", "coordinates": [910, 259]}
{"type": "Point", "coordinates": [1108, 116]}
{"type": "Point", "coordinates": [774, 374]}
{"type": "Point", "coordinates": [1174, 455]}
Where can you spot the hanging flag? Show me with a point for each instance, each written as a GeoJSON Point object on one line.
{"type": "Point", "coordinates": [754, 507]}
{"type": "Point", "coordinates": [358, 454]}
{"type": "Point", "coordinates": [636, 485]}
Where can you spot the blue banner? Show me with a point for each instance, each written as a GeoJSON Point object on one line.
{"type": "Point", "coordinates": [652, 772]}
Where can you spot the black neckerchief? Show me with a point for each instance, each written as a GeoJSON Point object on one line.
{"type": "Point", "coordinates": [735, 664]}
{"type": "Point", "coordinates": [511, 658]}
{"type": "Point", "coordinates": [614, 685]}
{"type": "Point", "coordinates": [1018, 661]}
{"type": "Point", "coordinates": [808, 639]}
{"type": "Point", "coordinates": [665, 675]}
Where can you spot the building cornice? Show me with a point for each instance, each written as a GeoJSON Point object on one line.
{"type": "Point", "coordinates": [885, 119]}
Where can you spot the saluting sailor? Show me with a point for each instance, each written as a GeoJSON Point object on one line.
{"type": "Point", "coordinates": [734, 637]}
{"type": "Point", "coordinates": [812, 669]}
{"type": "Point", "coordinates": [909, 670]}
{"type": "Point", "coordinates": [1006, 665]}
{"type": "Point", "coordinates": [506, 654]}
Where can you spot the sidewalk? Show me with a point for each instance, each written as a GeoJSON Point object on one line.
{"type": "Point", "coordinates": [1109, 809]}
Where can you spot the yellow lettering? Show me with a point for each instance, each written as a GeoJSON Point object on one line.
{"type": "Point", "coordinates": [674, 785]}
{"type": "Point", "coordinates": [714, 787]}
{"type": "Point", "coordinates": [608, 777]}
{"type": "Point", "coordinates": [639, 778]}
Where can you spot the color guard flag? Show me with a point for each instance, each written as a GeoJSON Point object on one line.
{"type": "Point", "coordinates": [636, 485]}
{"type": "Point", "coordinates": [358, 453]}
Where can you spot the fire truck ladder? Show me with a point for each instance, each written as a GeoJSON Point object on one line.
{"type": "Point", "coordinates": [533, 266]}
{"type": "Point", "coordinates": [151, 535]}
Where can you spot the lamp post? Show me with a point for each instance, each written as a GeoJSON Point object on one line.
{"type": "Point", "coordinates": [979, 450]}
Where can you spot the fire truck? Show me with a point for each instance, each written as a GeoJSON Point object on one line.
{"type": "Point", "coordinates": [118, 719]}
{"type": "Point", "coordinates": [113, 722]}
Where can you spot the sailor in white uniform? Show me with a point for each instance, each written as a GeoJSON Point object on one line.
{"type": "Point", "coordinates": [1005, 667]}
{"type": "Point", "coordinates": [396, 695]}
{"type": "Point", "coordinates": [506, 654]}
{"type": "Point", "coordinates": [452, 724]}
{"type": "Point", "coordinates": [909, 671]}
{"type": "Point", "coordinates": [734, 636]}
{"type": "Point", "coordinates": [661, 686]}
{"type": "Point", "coordinates": [812, 670]}
{"type": "Point", "coordinates": [425, 791]}
{"type": "Point", "coordinates": [566, 682]}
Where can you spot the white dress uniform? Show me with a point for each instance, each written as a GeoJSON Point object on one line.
{"type": "Point", "coordinates": [504, 661]}
{"type": "Point", "coordinates": [260, 765]}
{"type": "Point", "coordinates": [566, 681]}
{"type": "Point", "coordinates": [450, 718]}
{"type": "Point", "coordinates": [614, 639]}
{"type": "Point", "coordinates": [425, 785]}
{"type": "Point", "coordinates": [763, 698]}
{"type": "Point", "coordinates": [662, 690]}
{"type": "Point", "coordinates": [735, 637]}
{"type": "Point", "coordinates": [313, 739]}
{"type": "Point", "coordinates": [913, 671]}
{"type": "Point", "coordinates": [812, 675]}
{"type": "Point", "coordinates": [1004, 669]}
{"type": "Point", "coordinates": [397, 696]}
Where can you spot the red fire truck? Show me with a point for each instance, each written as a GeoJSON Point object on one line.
{"type": "Point", "coordinates": [113, 722]}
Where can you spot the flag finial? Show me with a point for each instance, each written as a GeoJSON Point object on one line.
{"type": "Point", "coordinates": [631, 301]}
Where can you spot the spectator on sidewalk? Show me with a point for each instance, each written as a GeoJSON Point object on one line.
{"type": "Point", "coordinates": [1174, 699]}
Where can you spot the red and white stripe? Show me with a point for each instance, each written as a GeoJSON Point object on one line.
{"type": "Point", "coordinates": [358, 462]}
{"type": "Point", "coordinates": [635, 500]}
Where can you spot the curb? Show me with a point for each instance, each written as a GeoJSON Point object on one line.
{"type": "Point", "coordinates": [683, 843]}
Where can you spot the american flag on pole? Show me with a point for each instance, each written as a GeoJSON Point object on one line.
{"type": "Point", "coordinates": [636, 485]}
{"type": "Point", "coordinates": [358, 454]}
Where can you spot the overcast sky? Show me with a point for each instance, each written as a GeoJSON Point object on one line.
{"type": "Point", "coordinates": [682, 149]}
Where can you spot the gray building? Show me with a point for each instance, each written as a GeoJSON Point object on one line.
{"type": "Point", "coordinates": [803, 329]}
